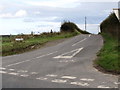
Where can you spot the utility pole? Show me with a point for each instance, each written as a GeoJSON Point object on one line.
{"type": "Point", "coordinates": [98, 29]}
{"type": "Point", "coordinates": [85, 23]}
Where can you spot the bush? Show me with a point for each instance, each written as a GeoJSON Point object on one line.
{"type": "Point", "coordinates": [71, 27]}
{"type": "Point", "coordinates": [111, 25]}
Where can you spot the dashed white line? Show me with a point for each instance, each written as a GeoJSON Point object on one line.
{"type": "Point", "coordinates": [24, 75]}
{"type": "Point", "coordinates": [29, 60]}
{"type": "Point", "coordinates": [51, 75]}
{"type": "Point", "coordinates": [34, 73]}
{"type": "Point", "coordinates": [85, 79]}
{"type": "Point", "coordinates": [22, 71]}
{"type": "Point", "coordinates": [59, 81]}
{"type": "Point", "coordinates": [17, 63]}
{"type": "Point", "coordinates": [79, 42]}
{"type": "Point", "coordinates": [13, 73]}
{"type": "Point", "coordinates": [11, 69]}
{"type": "Point", "coordinates": [69, 77]}
{"type": "Point", "coordinates": [63, 57]}
{"type": "Point", "coordinates": [41, 78]}
{"type": "Point", "coordinates": [2, 72]}
{"type": "Point", "coordinates": [66, 61]}
{"type": "Point", "coordinates": [47, 54]}
{"type": "Point", "coordinates": [80, 83]}
{"type": "Point", "coordinates": [2, 68]}
{"type": "Point", "coordinates": [102, 86]}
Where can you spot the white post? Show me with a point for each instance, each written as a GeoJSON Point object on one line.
{"type": "Point", "coordinates": [117, 13]}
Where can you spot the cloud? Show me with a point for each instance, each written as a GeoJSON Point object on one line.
{"type": "Point", "coordinates": [1, 7]}
{"type": "Point", "coordinates": [18, 14]}
{"type": "Point", "coordinates": [21, 13]}
{"type": "Point", "coordinates": [54, 3]}
{"type": "Point", "coordinates": [6, 15]}
{"type": "Point", "coordinates": [48, 19]}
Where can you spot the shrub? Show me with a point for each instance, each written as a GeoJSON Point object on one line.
{"type": "Point", "coordinates": [71, 27]}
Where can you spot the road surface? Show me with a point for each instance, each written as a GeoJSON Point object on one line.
{"type": "Point", "coordinates": [66, 65]}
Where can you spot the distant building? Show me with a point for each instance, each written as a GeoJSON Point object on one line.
{"type": "Point", "coordinates": [117, 13]}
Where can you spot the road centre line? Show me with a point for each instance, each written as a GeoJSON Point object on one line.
{"type": "Point", "coordinates": [79, 42]}
{"type": "Point", "coordinates": [17, 63]}
{"type": "Point", "coordinates": [46, 54]}
{"type": "Point", "coordinates": [29, 60]}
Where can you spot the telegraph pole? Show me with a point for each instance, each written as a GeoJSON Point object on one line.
{"type": "Point", "coordinates": [98, 29]}
{"type": "Point", "coordinates": [85, 23]}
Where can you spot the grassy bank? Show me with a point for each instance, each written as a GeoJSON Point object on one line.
{"type": "Point", "coordinates": [10, 46]}
{"type": "Point", "coordinates": [108, 58]}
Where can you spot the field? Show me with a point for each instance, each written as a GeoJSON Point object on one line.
{"type": "Point", "coordinates": [108, 58]}
{"type": "Point", "coordinates": [30, 42]}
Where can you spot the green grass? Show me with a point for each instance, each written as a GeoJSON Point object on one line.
{"type": "Point", "coordinates": [10, 47]}
{"type": "Point", "coordinates": [108, 57]}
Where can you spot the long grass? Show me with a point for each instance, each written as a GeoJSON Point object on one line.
{"type": "Point", "coordinates": [108, 58]}
{"type": "Point", "coordinates": [10, 47]}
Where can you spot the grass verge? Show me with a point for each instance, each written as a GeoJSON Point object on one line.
{"type": "Point", "coordinates": [108, 57]}
{"type": "Point", "coordinates": [10, 47]}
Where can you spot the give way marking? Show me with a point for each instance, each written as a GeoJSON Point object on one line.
{"type": "Point", "coordinates": [73, 52]}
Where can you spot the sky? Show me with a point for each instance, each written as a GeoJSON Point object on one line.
{"type": "Point", "coordinates": [24, 16]}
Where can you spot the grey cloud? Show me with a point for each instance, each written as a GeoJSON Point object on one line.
{"type": "Point", "coordinates": [91, 10]}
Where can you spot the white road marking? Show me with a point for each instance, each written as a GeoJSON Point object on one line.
{"type": "Point", "coordinates": [79, 42]}
{"type": "Point", "coordinates": [24, 75]}
{"type": "Point", "coordinates": [102, 86]}
{"type": "Point", "coordinates": [76, 51]}
{"type": "Point", "coordinates": [22, 71]}
{"type": "Point", "coordinates": [17, 63]}
{"type": "Point", "coordinates": [116, 83]}
{"type": "Point", "coordinates": [67, 61]}
{"type": "Point", "coordinates": [90, 35]}
{"type": "Point", "coordinates": [69, 77]}
{"type": "Point", "coordinates": [34, 73]}
{"type": "Point", "coordinates": [13, 73]}
{"type": "Point", "coordinates": [51, 75]}
{"type": "Point", "coordinates": [85, 79]}
{"type": "Point", "coordinates": [2, 68]}
{"type": "Point", "coordinates": [63, 57]}
{"type": "Point", "coordinates": [59, 81]}
{"type": "Point", "coordinates": [11, 69]}
{"type": "Point", "coordinates": [3, 72]}
{"type": "Point", "coordinates": [29, 60]}
{"type": "Point", "coordinates": [47, 54]}
{"type": "Point", "coordinates": [80, 83]}
{"type": "Point", "coordinates": [41, 78]}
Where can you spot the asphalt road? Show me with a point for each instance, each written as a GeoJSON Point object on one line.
{"type": "Point", "coordinates": [65, 65]}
